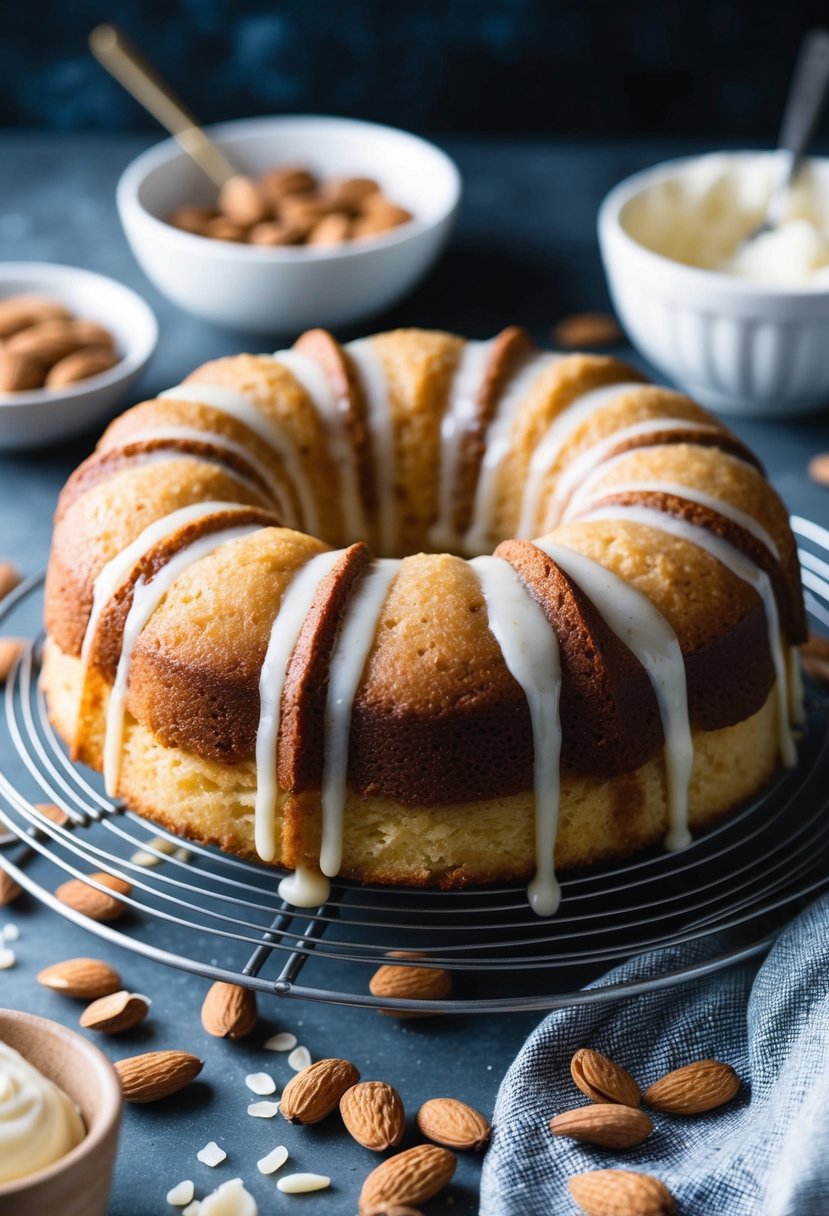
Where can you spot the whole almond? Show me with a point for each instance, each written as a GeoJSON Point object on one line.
{"type": "Point", "coordinates": [20, 372]}
{"type": "Point", "coordinates": [331, 230]}
{"type": "Point", "coordinates": [10, 650]}
{"type": "Point", "coordinates": [55, 813]}
{"type": "Point", "coordinates": [192, 219]}
{"type": "Point", "coordinates": [602, 1079]}
{"type": "Point", "coordinates": [223, 229]}
{"type": "Point", "coordinates": [80, 365]}
{"type": "Point", "coordinates": [350, 193]}
{"type": "Point", "coordinates": [277, 184]}
{"type": "Point", "coordinates": [410, 983]}
{"type": "Point", "coordinates": [156, 1074]}
{"type": "Point", "coordinates": [587, 329]}
{"type": "Point", "coordinates": [241, 200]}
{"type": "Point", "coordinates": [229, 1011]}
{"type": "Point", "coordinates": [621, 1193]}
{"type": "Point", "coordinates": [87, 978]}
{"type": "Point", "coordinates": [819, 469]}
{"type": "Point", "coordinates": [114, 1013]}
{"type": "Point", "coordinates": [19, 312]}
{"type": "Point", "coordinates": [373, 1114]}
{"type": "Point", "coordinates": [607, 1124]}
{"type": "Point", "coordinates": [695, 1088]}
{"type": "Point", "coordinates": [47, 342]}
{"type": "Point", "coordinates": [408, 1178]}
{"type": "Point", "coordinates": [814, 656]}
{"type": "Point", "coordinates": [453, 1124]}
{"type": "Point", "coordinates": [9, 889]}
{"type": "Point", "coordinates": [9, 578]}
{"type": "Point", "coordinates": [316, 1091]}
{"type": "Point", "coordinates": [89, 901]}
{"type": "Point", "coordinates": [273, 233]}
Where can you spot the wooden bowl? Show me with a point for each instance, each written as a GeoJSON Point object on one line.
{"type": "Point", "coordinates": [78, 1184]}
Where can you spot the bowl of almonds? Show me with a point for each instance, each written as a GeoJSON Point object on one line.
{"type": "Point", "coordinates": [327, 221]}
{"type": "Point", "coordinates": [72, 344]}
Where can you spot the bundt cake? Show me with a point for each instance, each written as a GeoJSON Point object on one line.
{"type": "Point", "coordinates": [287, 612]}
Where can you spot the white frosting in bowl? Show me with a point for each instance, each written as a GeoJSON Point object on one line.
{"type": "Point", "coordinates": [39, 1123]}
{"type": "Point", "coordinates": [701, 214]}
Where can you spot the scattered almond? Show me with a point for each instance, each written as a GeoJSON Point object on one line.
{"type": "Point", "coordinates": [87, 978]}
{"type": "Point", "coordinates": [9, 578]}
{"type": "Point", "coordinates": [453, 1124]}
{"type": "Point", "coordinates": [7, 958]}
{"type": "Point", "coordinates": [19, 312]}
{"type": "Point", "coordinates": [10, 650]}
{"type": "Point", "coordinates": [9, 889]}
{"type": "Point", "coordinates": [819, 469]}
{"type": "Point", "coordinates": [212, 1154]}
{"type": "Point", "coordinates": [273, 1161]}
{"type": "Point", "coordinates": [410, 983]}
{"type": "Point", "coordinates": [608, 1124]}
{"type": "Point", "coordinates": [115, 1013]}
{"type": "Point", "coordinates": [156, 1074]}
{"type": "Point", "coordinates": [81, 365]}
{"type": "Point", "coordinates": [229, 1011]}
{"type": "Point", "coordinates": [695, 1088]}
{"type": "Point", "coordinates": [89, 901]}
{"type": "Point", "coordinates": [409, 1178]}
{"type": "Point", "coordinates": [302, 1184]}
{"type": "Point", "coordinates": [181, 1194]}
{"type": "Point", "coordinates": [373, 1114]}
{"type": "Point", "coordinates": [261, 1083]}
{"type": "Point", "coordinates": [602, 1079]}
{"type": "Point", "coordinates": [814, 657]}
{"type": "Point", "coordinates": [55, 813]}
{"type": "Point", "coordinates": [587, 329]}
{"type": "Point", "coordinates": [316, 1091]}
{"type": "Point", "coordinates": [621, 1193]}
{"type": "Point", "coordinates": [299, 1058]}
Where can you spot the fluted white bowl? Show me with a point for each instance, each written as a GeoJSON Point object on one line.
{"type": "Point", "coordinates": [287, 289]}
{"type": "Point", "coordinates": [737, 346]}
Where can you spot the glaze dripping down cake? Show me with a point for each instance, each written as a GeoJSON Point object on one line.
{"type": "Point", "coordinates": [417, 610]}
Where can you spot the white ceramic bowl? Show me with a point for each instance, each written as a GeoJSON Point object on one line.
{"type": "Point", "coordinates": [737, 346]}
{"type": "Point", "coordinates": [286, 290]}
{"type": "Point", "coordinates": [43, 416]}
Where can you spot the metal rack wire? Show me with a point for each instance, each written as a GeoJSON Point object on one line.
{"type": "Point", "coordinates": [218, 916]}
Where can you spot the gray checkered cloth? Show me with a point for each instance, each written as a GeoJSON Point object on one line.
{"type": "Point", "coordinates": [764, 1154]}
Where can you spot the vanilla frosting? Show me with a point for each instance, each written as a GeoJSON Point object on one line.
{"type": "Point", "coordinates": [702, 214]}
{"type": "Point", "coordinates": [39, 1123]}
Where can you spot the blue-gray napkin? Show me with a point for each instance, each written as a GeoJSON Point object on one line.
{"type": "Point", "coordinates": [766, 1153]}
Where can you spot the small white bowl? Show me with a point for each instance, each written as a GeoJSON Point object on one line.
{"type": "Point", "coordinates": [43, 416]}
{"type": "Point", "coordinates": [737, 346]}
{"type": "Point", "coordinates": [286, 290]}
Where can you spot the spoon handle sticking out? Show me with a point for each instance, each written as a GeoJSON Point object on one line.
{"type": "Point", "coordinates": [807, 94]}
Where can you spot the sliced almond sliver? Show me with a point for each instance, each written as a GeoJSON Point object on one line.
{"type": "Point", "coordinates": [263, 1110]}
{"type": "Point", "coordinates": [261, 1083]}
{"type": "Point", "coordinates": [284, 1041]}
{"type": "Point", "coordinates": [299, 1184]}
{"type": "Point", "coordinates": [7, 958]}
{"type": "Point", "coordinates": [299, 1058]}
{"type": "Point", "coordinates": [211, 1154]}
{"type": "Point", "coordinates": [181, 1194]}
{"type": "Point", "coordinates": [273, 1160]}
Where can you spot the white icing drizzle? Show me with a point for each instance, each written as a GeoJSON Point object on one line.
{"type": "Point", "coordinates": [245, 410]}
{"type": "Point", "coordinates": [582, 497]}
{"type": "Point", "coordinates": [192, 434]}
{"type": "Point", "coordinates": [644, 630]}
{"type": "Point", "coordinates": [460, 412]}
{"type": "Point", "coordinates": [381, 429]}
{"type": "Point", "coordinates": [598, 454]}
{"type": "Point", "coordinates": [311, 376]}
{"type": "Point", "coordinates": [530, 649]}
{"type": "Point", "coordinates": [354, 641]}
{"type": "Point", "coordinates": [477, 537]}
{"type": "Point", "coordinates": [304, 888]}
{"type": "Point", "coordinates": [547, 451]}
{"type": "Point", "coordinates": [285, 631]}
{"type": "Point", "coordinates": [736, 561]}
{"type": "Point", "coordinates": [116, 571]}
{"type": "Point", "coordinates": [146, 598]}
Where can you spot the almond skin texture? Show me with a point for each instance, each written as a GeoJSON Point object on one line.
{"type": "Point", "coordinates": [409, 1179]}
{"type": "Point", "coordinates": [316, 1091]}
{"type": "Point", "coordinates": [621, 1193]}
{"type": "Point", "coordinates": [80, 365]}
{"type": "Point", "coordinates": [602, 1079]}
{"type": "Point", "coordinates": [697, 1087]}
{"type": "Point", "coordinates": [373, 1114]}
{"type": "Point", "coordinates": [10, 648]}
{"type": "Point", "coordinates": [91, 902]}
{"type": "Point", "coordinates": [229, 1011]}
{"type": "Point", "coordinates": [116, 1013]}
{"type": "Point", "coordinates": [87, 978]}
{"type": "Point", "coordinates": [607, 1124]}
{"type": "Point", "coordinates": [156, 1074]}
{"type": "Point", "coordinates": [453, 1124]}
{"type": "Point", "coordinates": [410, 983]}
{"type": "Point", "coordinates": [9, 889]}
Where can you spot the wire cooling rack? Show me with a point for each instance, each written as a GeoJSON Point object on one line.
{"type": "Point", "coordinates": [729, 893]}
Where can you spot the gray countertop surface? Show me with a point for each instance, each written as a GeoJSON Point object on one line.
{"type": "Point", "coordinates": [524, 252]}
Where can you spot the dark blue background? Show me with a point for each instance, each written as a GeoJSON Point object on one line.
{"type": "Point", "coordinates": [717, 68]}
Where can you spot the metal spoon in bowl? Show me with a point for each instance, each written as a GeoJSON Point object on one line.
{"type": "Point", "coordinates": [120, 58]}
{"type": "Point", "coordinates": [804, 103]}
